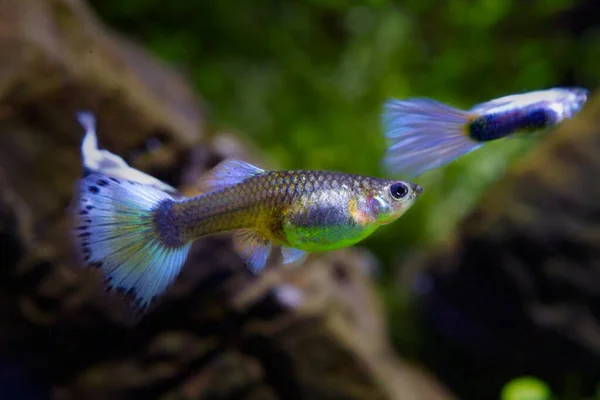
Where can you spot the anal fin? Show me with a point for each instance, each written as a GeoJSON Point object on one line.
{"type": "Point", "coordinates": [253, 247]}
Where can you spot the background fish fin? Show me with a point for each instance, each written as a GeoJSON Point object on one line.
{"type": "Point", "coordinates": [291, 255]}
{"type": "Point", "coordinates": [423, 134]}
{"type": "Point", "coordinates": [228, 173]}
{"type": "Point", "coordinates": [253, 247]}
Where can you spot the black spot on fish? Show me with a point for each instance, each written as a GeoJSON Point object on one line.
{"type": "Point", "coordinates": [102, 182]}
{"type": "Point", "coordinates": [86, 257]}
{"type": "Point", "coordinates": [96, 264]}
{"type": "Point", "coordinates": [94, 189]}
{"type": "Point", "coordinates": [83, 234]}
{"type": "Point", "coordinates": [495, 126]}
{"type": "Point", "coordinates": [115, 180]}
{"type": "Point", "coordinates": [88, 207]}
{"type": "Point", "coordinates": [81, 228]}
{"type": "Point", "coordinates": [83, 212]}
{"type": "Point", "coordinates": [537, 119]}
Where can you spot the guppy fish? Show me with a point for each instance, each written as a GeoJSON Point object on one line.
{"type": "Point", "coordinates": [139, 235]}
{"type": "Point", "coordinates": [423, 133]}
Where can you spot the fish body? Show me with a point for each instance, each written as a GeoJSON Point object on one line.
{"type": "Point", "coordinates": [312, 210]}
{"type": "Point", "coordinates": [423, 133]}
{"type": "Point", "coordinates": [140, 235]}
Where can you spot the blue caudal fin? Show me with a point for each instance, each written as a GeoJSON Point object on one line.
{"type": "Point", "coordinates": [423, 134]}
{"type": "Point", "coordinates": [114, 231]}
{"type": "Point", "coordinates": [102, 161]}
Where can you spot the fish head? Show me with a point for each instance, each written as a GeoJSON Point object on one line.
{"type": "Point", "coordinates": [574, 100]}
{"type": "Point", "coordinates": [390, 199]}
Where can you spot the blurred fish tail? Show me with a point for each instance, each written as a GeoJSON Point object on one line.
{"type": "Point", "coordinates": [104, 162]}
{"type": "Point", "coordinates": [423, 134]}
{"type": "Point", "coordinates": [117, 232]}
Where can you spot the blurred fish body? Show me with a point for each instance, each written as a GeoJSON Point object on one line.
{"type": "Point", "coordinates": [423, 134]}
{"type": "Point", "coordinates": [139, 235]}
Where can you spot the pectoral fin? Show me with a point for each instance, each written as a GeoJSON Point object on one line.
{"type": "Point", "coordinates": [291, 255]}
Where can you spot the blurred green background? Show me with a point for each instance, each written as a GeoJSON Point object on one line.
{"type": "Point", "coordinates": [305, 81]}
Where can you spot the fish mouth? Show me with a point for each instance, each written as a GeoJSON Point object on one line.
{"type": "Point", "coordinates": [581, 94]}
{"type": "Point", "coordinates": [418, 189]}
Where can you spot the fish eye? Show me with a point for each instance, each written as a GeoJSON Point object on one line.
{"type": "Point", "coordinates": [398, 190]}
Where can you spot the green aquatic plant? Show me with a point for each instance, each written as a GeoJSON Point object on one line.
{"type": "Point", "coordinates": [526, 388]}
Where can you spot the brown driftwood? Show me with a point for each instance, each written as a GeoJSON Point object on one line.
{"type": "Point", "coordinates": [316, 332]}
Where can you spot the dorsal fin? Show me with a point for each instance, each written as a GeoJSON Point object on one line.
{"type": "Point", "coordinates": [228, 173]}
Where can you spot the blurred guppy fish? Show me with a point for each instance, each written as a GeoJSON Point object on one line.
{"type": "Point", "coordinates": [134, 230]}
{"type": "Point", "coordinates": [423, 134]}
